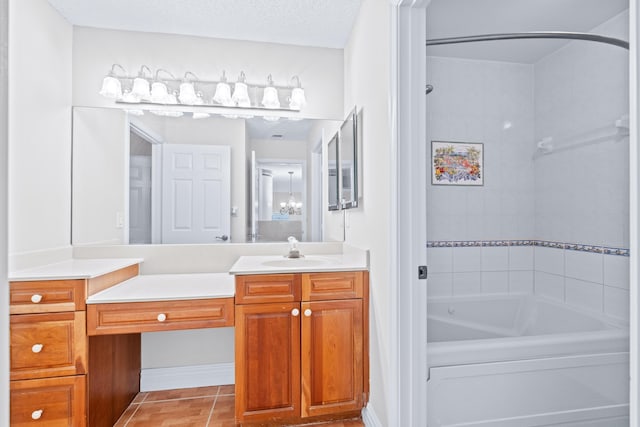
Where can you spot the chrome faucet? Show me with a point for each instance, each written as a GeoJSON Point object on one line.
{"type": "Point", "coordinates": [294, 252]}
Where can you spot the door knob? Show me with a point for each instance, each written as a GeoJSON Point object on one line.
{"type": "Point", "coordinates": [224, 237]}
{"type": "Point", "coordinates": [307, 312]}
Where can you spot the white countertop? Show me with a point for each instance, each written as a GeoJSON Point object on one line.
{"type": "Point", "coordinates": [163, 287]}
{"type": "Point", "coordinates": [73, 269]}
{"type": "Point", "coordinates": [353, 261]}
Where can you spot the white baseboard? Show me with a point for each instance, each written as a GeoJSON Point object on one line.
{"type": "Point", "coordinates": [370, 418]}
{"type": "Point", "coordinates": [187, 376]}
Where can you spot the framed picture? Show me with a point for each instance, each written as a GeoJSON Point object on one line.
{"type": "Point", "coordinates": [457, 163]}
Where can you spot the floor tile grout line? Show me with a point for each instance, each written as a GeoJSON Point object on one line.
{"type": "Point", "coordinates": [211, 411]}
{"type": "Point", "coordinates": [126, 423]}
{"type": "Point", "coordinates": [181, 398]}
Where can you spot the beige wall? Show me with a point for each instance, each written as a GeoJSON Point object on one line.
{"type": "Point", "coordinates": [39, 127]}
{"type": "Point", "coordinates": [367, 66]}
{"type": "Point", "coordinates": [319, 69]}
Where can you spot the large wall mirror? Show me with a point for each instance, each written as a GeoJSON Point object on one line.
{"type": "Point", "coordinates": [152, 179]}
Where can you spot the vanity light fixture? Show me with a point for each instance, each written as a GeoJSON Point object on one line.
{"type": "Point", "coordinates": [270, 96]}
{"type": "Point", "coordinates": [159, 90]}
{"type": "Point", "coordinates": [141, 88]}
{"type": "Point", "coordinates": [188, 91]}
{"type": "Point", "coordinates": [297, 99]}
{"type": "Point", "coordinates": [111, 86]}
{"type": "Point", "coordinates": [162, 87]}
{"type": "Point", "coordinates": [241, 92]}
{"type": "Point", "coordinates": [223, 92]}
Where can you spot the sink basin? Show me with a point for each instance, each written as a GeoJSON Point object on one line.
{"type": "Point", "coordinates": [296, 262]}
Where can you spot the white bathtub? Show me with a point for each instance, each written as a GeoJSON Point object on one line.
{"type": "Point", "coordinates": [512, 360]}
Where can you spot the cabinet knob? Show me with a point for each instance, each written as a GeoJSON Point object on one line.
{"type": "Point", "coordinates": [35, 415]}
{"type": "Point", "coordinates": [295, 312]}
{"type": "Point", "coordinates": [307, 312]}
{"type": "Point", "coordinates": [162, 317]}
{"type": "Point", "coordinates": [36, 298]}
{"type": "Point", "coordinates": [37, 348]}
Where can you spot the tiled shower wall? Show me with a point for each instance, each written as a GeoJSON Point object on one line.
{"type": "Point", "coordinates": [493, 103]}
{"type": "Point", "coordinates": [596, 281]}
{"type": "Point", "coordinates": [577, 196]}
{"type": "Point", "coordinates": [582, 194]}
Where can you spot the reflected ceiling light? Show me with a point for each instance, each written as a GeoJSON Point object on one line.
{"type": "Point", "coordinates": [297, 99]}
{"type": "Point", "coordinates": [140, 88]}
{"type": "Point", "coordinates": [271, 118]}
{"type": "Point", "coordinates": [291, 207]}
{"type": "Point", "coordinates": [129, 97]}
{"type": "Point", "coordinates": [241, 92]}
{"type": "Point", "coordinates": [187, 90]}
{"type": "Point", "coordinates": [270, 96]}
{"type": "Point", "coordinates": [111, 86]}
{"type": "Point", "coordinates": [223, 92]}
{"type": "Point", "coordinates": [167, 113]}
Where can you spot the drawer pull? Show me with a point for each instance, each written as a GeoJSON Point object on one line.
{"type": "Point", "coordinates": [307, 312]}
{"type": "Point", "coordinates": [37, 348]}
{"type": "Point", "coordinates": [35, 415]}
{"type": "Point", "coordinates": [162, 317]}
{"type": "Point", "coordinates": [295, 312]}
{"type": "Point", "coordinates": [36, 298]}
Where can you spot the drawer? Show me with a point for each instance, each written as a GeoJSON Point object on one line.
{"type": "Point", "coordinates": [46, 296]}
{"type": "Point", "coordinates": [51, 344]}
{"type": "Point", "coordinates": [334, 285]}
{"type": "Point", "coordinates": [267, 288]}
{"type": "Point", "coordinates": [49, 402]}
{"type": "Point", "coordinates": [135, 317]}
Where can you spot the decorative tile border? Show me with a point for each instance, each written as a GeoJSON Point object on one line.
{"type": "Point", "coordinates": [543, 243]}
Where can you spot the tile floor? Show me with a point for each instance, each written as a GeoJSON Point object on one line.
{"type": "Point", "coordinates": [191, 407]}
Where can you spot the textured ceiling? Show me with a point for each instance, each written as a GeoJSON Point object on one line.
{"type": "Point", "coordinates": [449, 18]}
{"type": "Point", "coordinates": [321, 23]}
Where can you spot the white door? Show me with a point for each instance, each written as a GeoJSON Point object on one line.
{"type": "Point", "coordinates": [196, 193]}
{"type": "Point", "coordinates": [140, 199]}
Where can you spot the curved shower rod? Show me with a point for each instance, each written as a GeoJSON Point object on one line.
{"type": "Point", "coordinates": [531, 35]}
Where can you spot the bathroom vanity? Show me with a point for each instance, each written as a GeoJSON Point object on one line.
{"type": "Point", "coordinates": [301, 336]}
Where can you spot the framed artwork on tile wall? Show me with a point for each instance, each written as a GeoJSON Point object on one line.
{"type": "Point", "coordinates": [457, 163]}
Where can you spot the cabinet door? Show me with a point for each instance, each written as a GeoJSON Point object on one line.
{"type": "Point", "coordinates": [49, 402]}
{"type": "Point", "coordinates": [267, 361]}
{"type": "Point", "coordinates": [45, 345]}
{"type": "Point", "coordinates": [332, 357]}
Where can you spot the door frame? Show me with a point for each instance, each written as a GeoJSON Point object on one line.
{"type": "Point", "coordinates": [408, 320]}
{"type": "Point", "coordinates": [408, 80]}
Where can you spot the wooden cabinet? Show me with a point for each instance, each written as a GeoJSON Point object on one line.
{"type": "Point", "coordinates": [49, 349]}
{"type": "Point", "coordinates": [135, 317]}
{"type": "Point", "coordinates": [305, 359]}
{"type": "Point", "coordinates": [56, 401]}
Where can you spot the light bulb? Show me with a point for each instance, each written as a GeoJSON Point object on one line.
{"type": "Point", "coordinates": [111, 88]}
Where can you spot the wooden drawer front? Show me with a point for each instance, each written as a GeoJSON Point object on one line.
{"type": "Point", "coordinates": [267, 288]}
{"type": "Point", "coordinates": [45, 345]}
{"type": "Point", "coordinates": [135, 317]}
{"type": "Point", "coordinates": [47, 296]}
{"type": "Point", "coordinates": [330, 286]}
{"type": "Point", "coordinates": [49, 402]}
